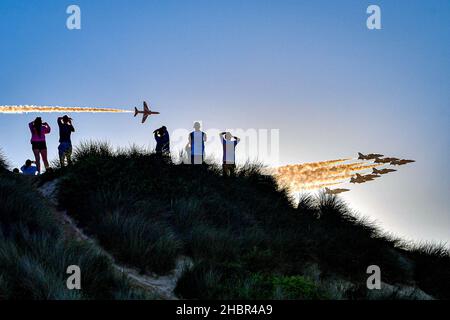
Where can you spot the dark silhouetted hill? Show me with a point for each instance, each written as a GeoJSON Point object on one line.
{"type": "Point", "coordinates": [246, 238]}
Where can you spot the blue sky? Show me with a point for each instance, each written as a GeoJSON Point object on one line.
{"type": "Point", "coordinates": [309, 68]}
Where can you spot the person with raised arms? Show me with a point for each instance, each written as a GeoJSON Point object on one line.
{"type": "Point", "coordinates": [38, 131]}
{"type": "Point", "coordinates": [65, 143]}
{"type": "Point", "coordinates": [229, 153]}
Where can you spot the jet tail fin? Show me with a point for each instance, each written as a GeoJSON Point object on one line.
{"type": "Point", "coordinates": [135, 111]}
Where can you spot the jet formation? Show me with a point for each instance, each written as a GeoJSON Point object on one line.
{"type": "Point", "coordinates": [322, 175]}
{"type": "Point", "coordinates": [378, 159]}
{"type": "Point", "coordinates": [376, 173]}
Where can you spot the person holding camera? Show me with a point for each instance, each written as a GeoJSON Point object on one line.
{"type": "Point", "coordinates": [162, 141]}
{"type": "Point", "coordinates": [38, 131]}
{"type": "Point", "coordinates": [65, 143]}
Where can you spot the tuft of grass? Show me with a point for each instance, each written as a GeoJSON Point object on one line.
{"type": "Point", "coordinates": [221, 281]}
{"type": "Point", "coordinates": [432, 268]}
{"type": "Point", "coordinates": [3, 162]}
{"type": "Point", "coordinates": [92, 149]}
{"type": "Point", "coordinates": [213, 244]}
{"type": "Point", "coordinates": [150, 246]}
{"type": "Point", "coordinates": [199, 282]}
{"type": "Point", "coordinates": [435, 250]}
{"type": "Point", "coordinates": [22, 205]}
{"type": "Point", "coordinates": [296, 287]}
{"type": "Point", "coordinates": [251, 169]}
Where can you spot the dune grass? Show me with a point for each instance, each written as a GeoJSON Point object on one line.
{"type": "Point", "coordinates": [243, 233]}
{"type": "Point", "coordinates": [34, 254]}
{"type": "Point", "coordinates": [3, 162]}
{"type": "Point", "coordinates": [432, 263]}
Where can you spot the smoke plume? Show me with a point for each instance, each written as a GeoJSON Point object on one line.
{"type": "Point", "coordinates": [48, 109]}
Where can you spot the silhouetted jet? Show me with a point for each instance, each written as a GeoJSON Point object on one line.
{"type": "Point", "coordinates": [361, 179]}
{"type": "Point", "coordinates": [401, 162]}
{"type": "Point", "coordinates": [369, 156]}
{"type": "Point", "coordinates": [335, 191]}
{"type": "Point", "coordinates": [145, 113]}
{"type": "Point", "coordinates": [382, 171]}
{"type": "Point", "coordinates": [358, 179]}
{"type": "Point", "coordinates": [370, 176]}
{"type": "Point", "coordinates": [385, 160]}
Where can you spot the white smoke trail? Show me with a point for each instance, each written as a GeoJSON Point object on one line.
{"type": "Point", "coordinates": [316, 175]}
{"type": "Point", "coordinates": [18, 109]}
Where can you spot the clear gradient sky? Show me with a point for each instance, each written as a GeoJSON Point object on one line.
{"type": "Point", "coordinates": [310, 68]}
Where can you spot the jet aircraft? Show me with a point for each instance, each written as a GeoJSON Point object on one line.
{"type": "Point", "coordinates": [145, 112]}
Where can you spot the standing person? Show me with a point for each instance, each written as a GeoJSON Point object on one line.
{"type": "Point", "coordinates": [229, 151]}
{"type": "Point", "coordinates": [38, 131]}
{"type": "Point", "coordinates": [197, 139]}
{"type": "Point", "coordinates": [65, 143]}
{"type": "Point", "coordinates": [28, 169]}
{"type": "Point", "coordinates": [162, 141]}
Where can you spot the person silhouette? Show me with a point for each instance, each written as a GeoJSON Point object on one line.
{"type": "Point", "coordinates": [229, 153]}
{"type": "Point", "coordinates": [162, 141]}
{"type": "Point", "coordinates": [38, 131]}
{"type": "Point", "coordinates": [28, 169]}
{"type": "Point", "coordinates": [197, 139]}
{"type": "Point", "coordinates": [65, 143]}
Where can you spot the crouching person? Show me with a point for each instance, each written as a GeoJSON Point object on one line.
{"type": "Point", "coordinates": [28, 169]}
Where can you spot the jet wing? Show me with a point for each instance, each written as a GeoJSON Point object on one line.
{"type": "Point", "coordinates": [146, 109]}
{"type": "Point", "coordinates": [144, 117]}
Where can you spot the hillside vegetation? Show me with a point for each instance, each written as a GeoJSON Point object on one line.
{"type": "Point", "coordinates": [247, 239]}
{"type": "Point", "coordinates": [35, 254]}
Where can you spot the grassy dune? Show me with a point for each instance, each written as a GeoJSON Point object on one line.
{"type": "Point", "coordinates": [34, 254]}
{"type": "Point", "coordinates": [246, 237]}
